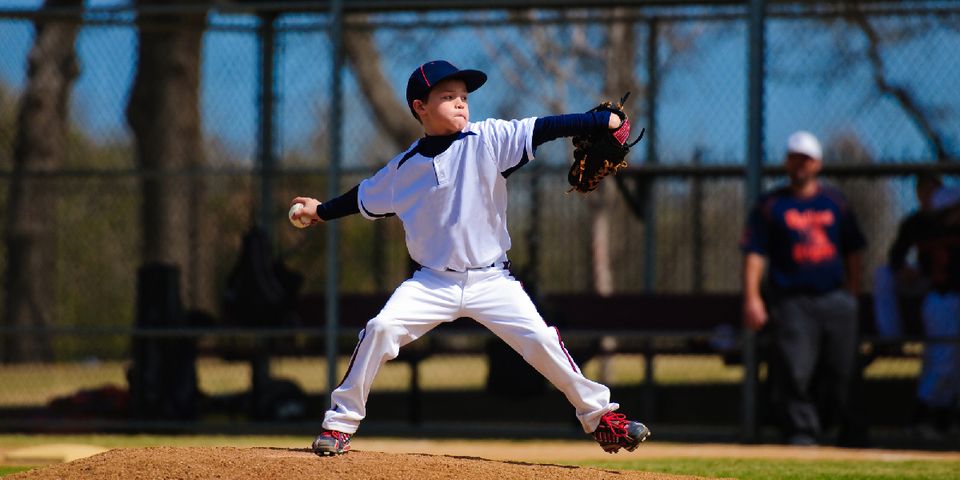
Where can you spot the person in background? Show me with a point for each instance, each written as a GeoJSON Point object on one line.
{"type": "Point", "coordinates": [934, 234]}
{"type": "Point", "coordinates": [898, 284]}
{"type": "Point", "coordinates": [805, 237]}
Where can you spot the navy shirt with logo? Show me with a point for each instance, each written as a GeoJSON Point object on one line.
{"type": "Point", "coordinates": [805, 239]}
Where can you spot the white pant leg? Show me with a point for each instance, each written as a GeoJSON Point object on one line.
{"type": "Point", "coordinates": [939, 382]}
{"type": "Point", "coordinates": [418, 305]}
{"type": "Point", "coordinates": [497, 301]}
{"type": "Point", "coordinates": [886, 305]}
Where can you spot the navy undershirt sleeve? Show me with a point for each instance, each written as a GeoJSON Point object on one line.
{"type": "Point", "coordinates": [341, 206]}
{"type": "Point", "coordinates": [553, 127]}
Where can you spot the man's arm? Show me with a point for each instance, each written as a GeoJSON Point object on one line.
{"type": "Point", "coordinates": [906, 238]}
{"type": "Point", "coordinates": [852, 265]}
{"type": "Point", "coordinates": [754, 310]}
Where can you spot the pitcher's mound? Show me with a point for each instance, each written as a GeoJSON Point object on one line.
{"type": "Point", "coordinates": [301, 464]}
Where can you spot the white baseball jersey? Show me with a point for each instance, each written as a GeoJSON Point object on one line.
{"type": "Point", "coordinates": [454, 210]}
{"type": "Point", "coordinates": [454, 205]}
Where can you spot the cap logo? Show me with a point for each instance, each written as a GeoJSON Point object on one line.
{"type": "Point", "coordinates": [424, 76]}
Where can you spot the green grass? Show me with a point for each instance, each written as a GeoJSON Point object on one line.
{"type": "Point", "coordinates": [757, 469]}
{"type": "Point", "coordinates": [11, 470]}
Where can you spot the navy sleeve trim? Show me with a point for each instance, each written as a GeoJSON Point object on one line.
{"type": "Point", "coordinates": [553, 127]}
{"type": "Point", "coordinates": [523, 161]}
{"type": "Point", "coordinates": [374, 215]}
{"type": "Point", "coordinates": [341, 206]}
{"type": "Point", "coordinates": [413, 151]}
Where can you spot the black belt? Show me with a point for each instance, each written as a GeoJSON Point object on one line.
{"type": "Point", "coordinates": [504, 265]}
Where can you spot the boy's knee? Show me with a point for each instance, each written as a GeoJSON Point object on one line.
{"type": "Point", "coordinates": [378, 326]}
{"type": "Point", "coordinates": [542, 337]}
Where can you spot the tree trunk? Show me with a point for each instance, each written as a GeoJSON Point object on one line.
{"type": "Point", "coordinates": [601, 200]}
{"type": "Point", "coordinates": [620, 79]}
{"type": "Point", "coordinates": [40, 146]}
{"type": "Point", "coordinates": [394, 116]}
{"type": "Point", "coordinates": [164, 115]}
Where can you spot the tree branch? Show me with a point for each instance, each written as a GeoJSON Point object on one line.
{"type": "Point", "coordinates": [394, 116]}
{"type": "Point", "coordinates": [903, 96]}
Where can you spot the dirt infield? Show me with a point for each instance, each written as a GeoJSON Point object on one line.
{"type": "Point", "coordinates": [388, 458]}
{"type": "Point", "coordinates": [299, 464]}
{"type": "Point", "coordinates": [566, 451]}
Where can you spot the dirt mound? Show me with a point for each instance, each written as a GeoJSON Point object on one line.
{"type": "Point", "coordinates": [301, 464]}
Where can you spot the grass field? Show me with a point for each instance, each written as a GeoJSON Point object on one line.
{"type": "Point", "coordinates": [748, 469]}
{"type": "Point", "coordinates": [718, 466]}
{"type": "Point", "coordinates": [762, 469]}
{"type": "Point", "coordinates": [9, 470]}
{"type": "Point", "coordinates": [37, 384]}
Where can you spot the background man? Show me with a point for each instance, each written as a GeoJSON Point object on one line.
{"type": "Point", "coordinates": [812, 241]}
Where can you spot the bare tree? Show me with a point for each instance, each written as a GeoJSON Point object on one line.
{"type": "Point", "coordinates": [920, 116]}
{"type": "Point", "coordinates": [7, 125]}
{"type": "Point", "coordinates": [556, 57]}
{"type": "Point", "coordinates": [164, 115]}
{"type": "Point", "coordinates": [621, 44]}
{"type": "Point", "coordinates": [393, 115]}
{"type": "Point", "coordinates": [40, 146]}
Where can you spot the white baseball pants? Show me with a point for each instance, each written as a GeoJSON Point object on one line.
{"type": "Point", "coordinates": [492, 297]}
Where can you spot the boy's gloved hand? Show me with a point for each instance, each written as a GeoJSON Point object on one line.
{"type": "Point", "coordinates": [600, 153]}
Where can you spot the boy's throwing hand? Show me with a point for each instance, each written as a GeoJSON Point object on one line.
{"type": "Point", "coordinates": [308, 214]}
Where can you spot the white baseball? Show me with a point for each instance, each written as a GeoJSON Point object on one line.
{"type": "Point", "coordinates": [297, 222]}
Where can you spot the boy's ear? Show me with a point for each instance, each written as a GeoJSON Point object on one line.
{"type": "Point", "coordinates": [418, 106]}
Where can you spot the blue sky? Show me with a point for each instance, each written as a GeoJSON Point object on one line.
{"type": "Point", "coordinates": [702, 103]}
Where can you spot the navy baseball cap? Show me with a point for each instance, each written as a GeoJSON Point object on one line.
{"type": "Point", "coordinates": [431, 73]}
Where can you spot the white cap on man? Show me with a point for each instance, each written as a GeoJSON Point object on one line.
{"type": "Point", "coordinates": [804, 143]}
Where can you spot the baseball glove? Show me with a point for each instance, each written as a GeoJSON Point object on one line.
{"type": "Point", "coordinates": [600, 153]}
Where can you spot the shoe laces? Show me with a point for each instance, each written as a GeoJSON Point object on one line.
{"type": "Point", "coordinates": [613, 423]}
{"type": "Point", "coordinates": [340, 436]}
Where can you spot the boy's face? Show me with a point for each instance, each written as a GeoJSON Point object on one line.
{"type": "Point", "coordinates": [445, 111]}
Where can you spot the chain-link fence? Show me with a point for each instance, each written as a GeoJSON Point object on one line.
{"type": "Point", "coordinates": [868, 78]}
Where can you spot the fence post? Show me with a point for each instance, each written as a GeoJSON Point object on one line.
{"type": "Point", "coordinates": [756, 47]}
{"type": "Point", "coordinates": [266, 154]}
{"type": "Point", "coordinates": [260, 362]}
{"type": "Point", "coordinates": [696, 200]}
{"type": "Point", "coordinates": [333, 187]}
{"type": "Point", "coordinates": [650, 205]}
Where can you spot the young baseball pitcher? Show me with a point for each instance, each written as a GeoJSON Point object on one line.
{"type": "Point", "coordinates": [450, 191]}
